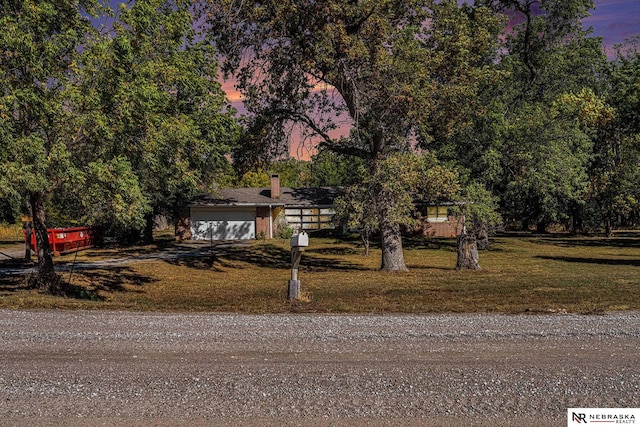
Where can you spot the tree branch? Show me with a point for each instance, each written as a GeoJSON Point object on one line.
{"type": "Point", "coordinates": [345, 149]}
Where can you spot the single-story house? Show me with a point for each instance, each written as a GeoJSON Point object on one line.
{"type": "Point", "coordinates": [250, 213]}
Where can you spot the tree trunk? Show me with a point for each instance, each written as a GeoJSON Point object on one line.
{"type": "Point", "coordinates": [182, 224]}
{"type": "Point", "coordinates": [147, 234]}
{"type": "Point", "coordinates": [467, 251]}
{"type": "Point", "coordinates": [392, 255]}
{"type": "Point", "coordinates": [46, 279]}
{"type": "Point", "coordinates": [365, 240]}
{"type": "Point", "coordinates": [482, 235]}
{"type": "Point", "coordinates": [27, 242]}
{"type": "Point", "coordinates": [390, 235]}
{"type": "Point", "coordinates": [607, 226]}
{"type": "Point", "coordinates": [541, 227]}
{"type": "Point", "coordinates": [578, 220]}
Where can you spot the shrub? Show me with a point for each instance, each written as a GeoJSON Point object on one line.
{"type": "Point", "coordinates": [286, 233]}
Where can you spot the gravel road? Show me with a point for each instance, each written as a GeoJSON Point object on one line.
{"type": "Point", "coordinates": [115, 368]}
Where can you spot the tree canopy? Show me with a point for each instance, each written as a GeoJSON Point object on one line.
{"type": "Point", "coordinates": [112, 123]}
{"type": "Point", "coordinates": [155, 107]}
{"type": "Point", "coordinates": [40, 46]}
{"type": "Point", "coordinates": [392, 66]}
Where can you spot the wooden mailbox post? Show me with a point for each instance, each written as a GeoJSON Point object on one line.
{"type": "Point", "coordinates": [298, 243]}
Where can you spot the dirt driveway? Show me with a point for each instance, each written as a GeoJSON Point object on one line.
{"type": "Point", "coordinates": [115, 368]}
{"type": "Point", "coordinates": [177, 251]}
{"type": "Point", "coordinates": [14, 251]}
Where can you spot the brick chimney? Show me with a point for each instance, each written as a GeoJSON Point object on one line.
{"type": "Point", "coordinates": [275, 186]}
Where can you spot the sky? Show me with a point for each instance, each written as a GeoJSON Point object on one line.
{"type": "Point", "coordinates": [614, 21]}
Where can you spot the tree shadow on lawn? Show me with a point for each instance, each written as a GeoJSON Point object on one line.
{"type": "Point", "coordinates": [448, 244]}
{"type": "Point", "coordinates": [13, 283]}
{"type": "Point", "coordinates": [413, 267]}
{"type": "Point", "coordinates": [119, 252]}
{"type": "Point", "coordinates": [591, 242]}
{"type": "Point", "coordinates": [602, 261]}
{"type": "Point", "coordinates": [112, 279]}
{"type": "Point", "coordinates": [265, 256]}
{"type": "Point", "coordinates": [14, 263]}
{"type": "Point", "coordinates": [203, 261]}
{"type": "Point", "coordinates": [335, 250]}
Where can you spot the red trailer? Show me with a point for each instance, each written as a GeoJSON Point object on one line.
{"type": "Point", "coordinates": [66, 240]}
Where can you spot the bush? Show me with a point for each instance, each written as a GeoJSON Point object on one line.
{"type": "Point", "coordinates": [286, 233]}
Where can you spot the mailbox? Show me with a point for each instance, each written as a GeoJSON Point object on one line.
{"type": "Point", "coordinates": [298, 243]}
{"type": "Point", "coordinates": [300, 240]}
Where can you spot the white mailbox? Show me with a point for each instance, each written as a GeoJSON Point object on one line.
{"type": "Point", "coordinates": [300, 240]}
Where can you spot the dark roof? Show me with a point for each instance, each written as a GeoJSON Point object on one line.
{"type": "Point", "coordinates": [323, 196]}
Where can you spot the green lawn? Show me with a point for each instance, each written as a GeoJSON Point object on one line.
{"type": "Point", "coordinates": [585, 275]}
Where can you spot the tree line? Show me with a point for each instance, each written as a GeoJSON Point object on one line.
{"type": "Point", "coordinates": [508, 107]}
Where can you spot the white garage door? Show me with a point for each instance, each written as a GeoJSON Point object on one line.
{"type": "Point", "coordinates": [208, 224]}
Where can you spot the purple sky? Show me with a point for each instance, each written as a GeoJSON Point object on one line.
{"type": "Point", "coordinates": [614, 20]}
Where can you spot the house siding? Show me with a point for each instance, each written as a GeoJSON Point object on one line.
{"type": "Point", "coordinates": [263, 226]}
{"type": "Point", "coordinates": [450, 228]}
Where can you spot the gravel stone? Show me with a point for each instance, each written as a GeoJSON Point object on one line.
{"type": "Point", "coordinates": [117, 368]}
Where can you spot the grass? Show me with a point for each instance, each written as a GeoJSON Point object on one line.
{"type": "Point", "coordinates": [10, 233]}
{"type": "Point", "coordinates": [537, 275]}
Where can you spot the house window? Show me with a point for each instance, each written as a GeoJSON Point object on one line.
{"type": "Point", "coordinates": [310, 218]}
{"type": "Point", "coordinates": [437, 214]}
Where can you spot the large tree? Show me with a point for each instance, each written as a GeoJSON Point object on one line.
{"type": "Point", "coordinates": [624, 145]}
{"type": "Point", "coordinates": [113, 124]}
{"type": "Point", "coordinates": [613, 121]}
{"type": "Point", "coordinates": [545, 152]}
{"type": "Point", "coordinates": [40, 43]}
{"type": "Point", "coordinates": [477, 210]}
{"type": "Point", "coordinates": [523, 147]}
{"type": "Point", "coordinates": [404, 178]}
{"type": "Point", "coordinates": [390, 65]}
{"type": "Point", "coordinates": [149, 101]}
